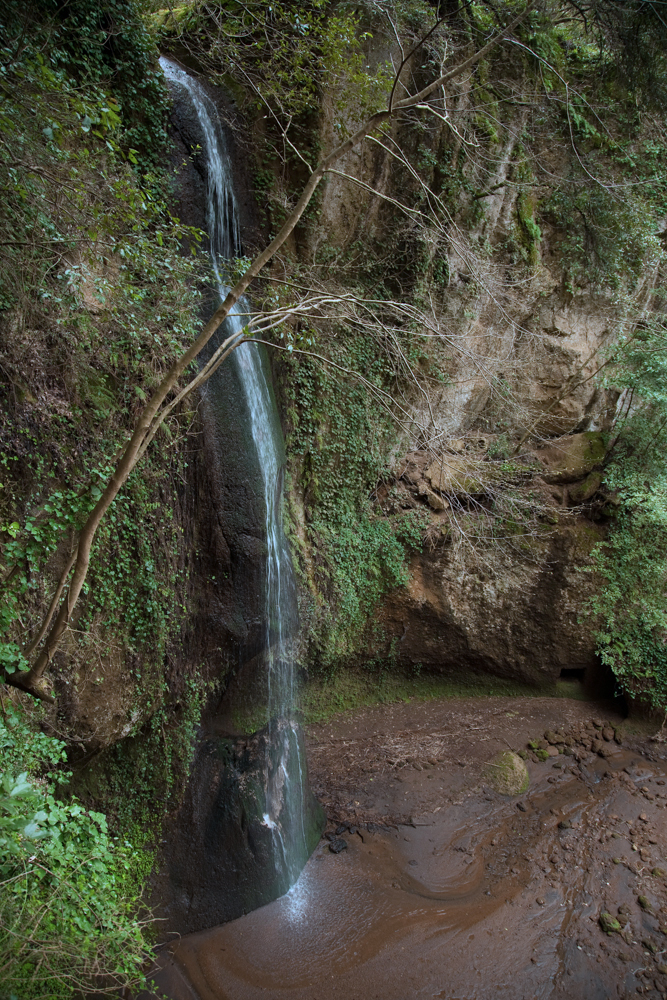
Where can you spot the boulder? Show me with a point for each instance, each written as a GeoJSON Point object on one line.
{"type": "Point", "coordinates": [508, 774]}
{"type": "Point", "coordinates": [458, 474]}
{"type": "Point", "coordinates": [568, 459]}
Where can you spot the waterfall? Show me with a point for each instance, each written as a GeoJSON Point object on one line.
{"type": "Point", "coordinates": [284, 788]}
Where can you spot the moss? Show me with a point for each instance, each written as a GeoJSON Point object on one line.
{"type": "Point", "coordinates": [347, 690]}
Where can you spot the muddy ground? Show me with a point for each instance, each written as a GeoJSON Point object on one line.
{"type": "Point", "coordinates": [444, 888]}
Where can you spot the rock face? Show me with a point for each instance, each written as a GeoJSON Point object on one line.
{"type": "Point", "coordinates": [513, 613]}
{"type": "Point", "coordinates": [219, 849]}
{"type": "Point", "coordinates": [513, 348]}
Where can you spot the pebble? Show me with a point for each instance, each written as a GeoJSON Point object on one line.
{"type": "Point", "coordinates": [541, 901]}
{"type": "Point", "coordinates": [338, 845]}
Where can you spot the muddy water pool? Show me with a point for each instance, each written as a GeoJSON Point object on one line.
{"type": "Point", "coordinates": [481, 897]}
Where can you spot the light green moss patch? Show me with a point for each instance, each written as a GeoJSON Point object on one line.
{"type": "Point", "coordinates": [347, 690]}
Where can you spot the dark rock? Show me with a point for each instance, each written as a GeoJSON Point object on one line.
{"type": "Point", "coordinates": [565, 824]}
{"type": "Point", "coordinates": [219, 861]}
{"type": "Point", "coordinates": [338, 845]}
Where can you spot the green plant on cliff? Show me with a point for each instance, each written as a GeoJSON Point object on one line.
{"type": "Point", "coordinates": [631, 603]}
{"type": "Point", "coordinates": [96, 297]}
{"type": "Point", "coordinates": [337, 438]}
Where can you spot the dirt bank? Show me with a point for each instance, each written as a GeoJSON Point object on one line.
{"type": "Point", "coordinates": [444, 888]}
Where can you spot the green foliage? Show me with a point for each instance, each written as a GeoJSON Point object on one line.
{"type": "Point", "coordinates": [96, 300]}
{"type": "Point", "coordinates": [154, 762]}
{"type": "Point", "coordinates": [281, 55]}
{"type": "Point", "coordinates": [66, 925]}
{"type": "Point", "coordinates": [103, 49]}
{"type": "Point", "coordinates": [633, 37]}
{"type": "Point", "coordinates": [25, 748]}
{"type": "Point", "coordinates": [68, 915]}
{"type": "Point", "coordinates": [607, 242]}
{"type": "Point", "coordinates": [631, 603]}
{"type": "Point", "coordinates": [337, 439]}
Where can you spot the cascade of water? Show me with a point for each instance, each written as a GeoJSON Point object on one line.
{"type": "Point", "coordinates": [284, 786]}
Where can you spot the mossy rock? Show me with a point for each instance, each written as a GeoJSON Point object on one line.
{"type": "Point", "coordinates": [572, 457]}
{"type": "Point", "coordinates": [609, 924]}
{"type": "Point", "coordinates": [508, 774]}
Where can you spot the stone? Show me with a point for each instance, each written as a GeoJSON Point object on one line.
{"type": "Point", "coordinates": [565, 824]}
{"type": "Point", "coordinates": [658, 872]}
{"type": "Point", "coordinates": [338, 845]}
{"type": "Point", "coordinates": [645, 904]}
{"type": "Point", "coordinates": [588, 487]}
{"type": "Point", "coordinates": [454, 475]}
{"type": "Point", "coordinates": [608, 735]}
{"type": "Point", "coordinates": [552, 751]}
{"type": "Point", "coordinates": [507, 774]}
{"type": "Point", "coordinates": [609, 924]}
{"type": "Point", "coordinates": [435, 502]}
{"type": "Point", "coordinates": [570, 458]}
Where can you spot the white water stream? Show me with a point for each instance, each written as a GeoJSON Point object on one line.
{"type": "Point", "coordinates": [283, 808]}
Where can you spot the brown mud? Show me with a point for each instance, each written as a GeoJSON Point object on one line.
{"type": "Point", "coordinates": [446, 889]}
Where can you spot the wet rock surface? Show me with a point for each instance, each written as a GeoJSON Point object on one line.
{"type": "Point", "coordinates": [446, 888]}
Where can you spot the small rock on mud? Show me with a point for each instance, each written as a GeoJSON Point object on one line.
{"type": "Point", "coordinates": [338, 845]}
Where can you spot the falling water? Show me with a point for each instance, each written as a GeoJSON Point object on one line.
{"type": "Point", "coordinates": [284, 786]}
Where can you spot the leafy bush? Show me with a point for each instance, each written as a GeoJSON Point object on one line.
{"type": "Point", "coordinates": [631, 603]}
{"type": "Point", "coordinates": [68, 918]}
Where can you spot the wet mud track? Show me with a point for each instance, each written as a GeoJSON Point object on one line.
{"type": "Point", "coordinates": [446, 889]}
